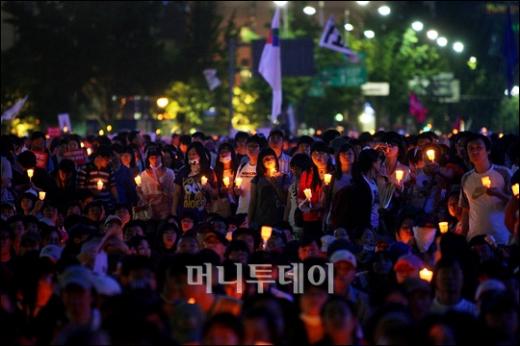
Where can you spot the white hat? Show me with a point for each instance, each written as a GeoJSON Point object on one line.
{"type": "Point", "coordinates": [326, 240]}
{"type": "Point", "coordinates": [489, 285]}
{"type": "Point", "coordinates": [343, 255]}
{"type": "Point", "coordinates": [51, 251]}
{"type": "Point", "coordinates": [106, 285]}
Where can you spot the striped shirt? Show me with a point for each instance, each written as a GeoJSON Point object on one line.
{"type": "Point", "coordinates": [88, 178]}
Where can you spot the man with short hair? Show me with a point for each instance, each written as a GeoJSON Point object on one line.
{"type": "Point", "coordinates": [276, 143]}
{"type": "Point", "coordinates": [246, 172]}
{"type": "Point", "coordinates": [483, 207]}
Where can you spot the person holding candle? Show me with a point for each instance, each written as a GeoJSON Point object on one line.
{"type": "Point", "coordinates": [268, 192]}
{"type": "Point", "coordinates": [225, 171]}
{"type": "Point", "coordinates": [99, 170]}
{"type": "Point", "coordinates": [512, 207]}
{"type": "Point", "coordinates": [195, 184]}
{"type": "Point", "coordinates": [246, 172]}
{"type": "Point", "coordinates": [157, 185]}
{"type": "Point", "coordinates": [275, 139]}
{"type": "Point", "coordinates": [483, 208]}
{"type": "Point", "coordinates": [125, 170]}
{"type": "Point", "coordinates": [345, 159]}
{"type": "Point", "coordinates": [392, 163]}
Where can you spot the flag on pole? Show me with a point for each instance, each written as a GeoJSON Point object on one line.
{"type": "Point", "coordinates": [12, 112]}
{"type": "Point", "coordinates": [417, 109]}
{"type": "Point", "coordinates": [211, 78]}
{"type": "Point", "coordinates": [270, 66]}
{"type": "Point", "coordinates": [331, 39]}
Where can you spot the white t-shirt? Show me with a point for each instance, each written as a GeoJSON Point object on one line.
{"type": "Point", "coordinates": [486, 213]}
{"type": "Point", "coordinates": [247, 172]}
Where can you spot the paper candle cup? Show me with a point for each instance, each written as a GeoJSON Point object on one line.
{"type": "Point", "coordinates": [238, 181]}
{"type": "Point", "coordinates": [100, 185]}
{"type": "Point", "coordinates": [399, 174]}
{"type": "Point", "coordinates": [327, 178]}
{"type": "Point", "coordinates": [426, 274]}
{"type": "Point", "coordinates": [138, 180]}
{"type": "Point", "coordinates": [41, 195]}
{"type": "Point", "coordinates": [308, 194]}
{"type": "Point", "coordinates": [443, 227]}
{"type": "Point", "coordinates": [226, 181]}
{"type": "Point", "coordinates": [486, 182]}
{"type": "Point", "coordinates": [203, 180]}
{"type": "Point", "coordinates": [430, 154]}
{"type": "Point", "coordinates": [515, 189]}
{"type": "Point", "coordinates": [30, 173]}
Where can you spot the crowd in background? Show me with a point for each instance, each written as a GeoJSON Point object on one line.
{"type": "Point", "coordinates": [421, 231]}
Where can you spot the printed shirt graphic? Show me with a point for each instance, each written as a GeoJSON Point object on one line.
{"type": "Point", "coordinates": [247, 173]}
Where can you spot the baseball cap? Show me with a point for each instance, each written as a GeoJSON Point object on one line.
{"type": "Point", "coordinates": [51, 251]}
{"type": "Point", "coordinates": [408, 263]}
{"type": "Point", "coordinates": [77, 275]}
{"type": "Point", "coordinates": [343, 255]}
{"type": "Point", "coordinates": [106, 285]}
{"type": "Point", "coordinates": [326, 240]}
{"type": "Point", "coordinates": [113, 218]}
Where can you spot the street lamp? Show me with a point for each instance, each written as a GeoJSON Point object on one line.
{"type": "Point", "coordinates": [349, 27]}
{"type": "Point", "coordinates": [339, 117]}
{"type": "Point", "coordinates": [458, 47]}
{"type": "Point", "coordinates": [432, 34]}
{"type": "Point", "coordinates": [309, 10]}
{"type": "Point", "coordinates": [369, 34]}
{"type": "Point", "coordinates": [417, 26]}
{"type": "Point", "coordinates": [442, 41]}
{"type": "Point", "coordinates": [162, 102]}
{"type": "Point", "coordinates": [362, 3]}
{"type": "Point", "coordinates": [384, 10]}
{"type": "Point", "coordinates": [280, 3]}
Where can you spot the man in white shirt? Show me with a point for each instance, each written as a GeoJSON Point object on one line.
{"type": "Point", "coordinates": [276, 143]}
{"type": "Point", "coordinates": [247, 172]}
{"type": "Point", "coordinates": [484, 193]}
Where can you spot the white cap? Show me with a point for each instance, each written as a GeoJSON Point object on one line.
{"type": "Point", "coordinates": [343, 255]}
{"type": "Point", "coordinates": [106, 285]}
{"type": "Point", "coordinates": [326, 240]}
{"type": "Point", "coordinates": [51, 251]}
{"type": "Point", "coordinates": [489, 285]}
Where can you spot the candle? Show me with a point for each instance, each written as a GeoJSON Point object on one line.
{"type": "Point", "coordinates": [225, 180]}
{"type": "Point", "coordinates": [65, 129]}
{"type": "Point", "coordinates": [327, 178]}
{"type": "Point", "coordinates": [516, 191]}
{"type": "Point", "coordinates": [426, 274]}
{"type": "Point", "coordinates": [138, 180]}
{"type": "Point", "coordinates": [443, 226]}
{"type": "Point", "coordinates": [100, 184]}
{"type": "Point", "coordinates": [82, 145]}
{"type": "Point", "coordinates": [486, 182]}
{"type": "Point", "coordinates": [308, 194]}
{"type": "Point", "coordinates": [191, 301]}
{"type": "Point", "coordinates": [41, 195]}
{"type": "Point", "coordinates": [399, 174]}
{"type": "Point", "coordinates": [203, 180]}
{"type": "Point", "coordinates": [229, 236]}
{"type": "Point", "coordinates": [430, 154]}
{"type": "Point", "coordinates": [238, 181]}
{"type": "Point", "coordinates": [265, 233]}
{"type": "Point", "coordinates": [89, 151]}
{"type": "Point", "coordinates": [30, 173]}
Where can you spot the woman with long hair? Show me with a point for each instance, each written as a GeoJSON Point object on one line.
{"type": "Point", "coordinates": [195, 184]}
{"type": "Point", "coordinates": [225, 171]}
{"type": "Point", "coordinates": [268, 192]}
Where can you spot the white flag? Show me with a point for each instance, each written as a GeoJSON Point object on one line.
{"type": "Point", "coordinates": [211, 78]}
{"type": "Point", "coordinates": [270, 66]}
{"type": "Point", "coordinates": [12, 112]}
{"type": "Point", "coordinates": [331, 39]}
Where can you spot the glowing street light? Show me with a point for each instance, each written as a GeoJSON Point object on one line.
{"type": "Point", "coordinates": [309, 10]}
{"type": "Point", "coordinates": [417, 26]}
{"type": "Point", "coordinates": [369, 34]}
{"type": "Point", "coordinates": [280, 3]}
{"type": "Point", "coordinates": [384, 10]}
{"type": "Point", "coordinates": [432, 34]}
{"type": "Point", "coordinates": [362, 3]}
{"type": "Point", "coordinates": [349, 27]}
{"type": "Point", "coordinates": [339, 117]}
{"type": "Point", "coordinates": [162, 102]}
{"type": "Point", "coordinates": [458, 47]}
{"type": "Point", "coordinates": [442, 41]}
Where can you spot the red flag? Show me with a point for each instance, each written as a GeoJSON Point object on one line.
{"type": "Point", "coordinates": [417, 109]}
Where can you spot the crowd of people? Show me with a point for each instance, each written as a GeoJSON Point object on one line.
{"type": "Point", "coordinates": [253, 239]}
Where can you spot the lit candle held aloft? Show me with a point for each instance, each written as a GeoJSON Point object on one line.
{"type": "Point", "coordinates": [225, 180]}
{"type": "Point", "coordinates": [426, 274]}
{"type": "Point", "coordinates": [265, 233]}
{"type": "Point", "coordinates": [430, 153]}
{"type": "Point", "coordinates": [238, 181]}
{"type": "Point", "coordinates": [41, 195]}
{"type": "Point", "coordinates": [443, 227]}
{"type": "Point", "coordinates": [327, 178]}
{"type": "Point", "coordinates": [515, 189]}
{"type": "Point", "coordinates": [100, 185]}
{"type": "Point", "coordinates": [138, 180]}
{"type": "Point", "coordinates": [30, 173]}
{"type": "Point", "coordinates": [486, 182]}
{"type": "Point", "coordinates": [203, 180]}
{"type": "Point", "coordinates": [399, 174]}
{"type": "Point", "coordinates": [89, 151]}
{"type": "Point", "coordinates": [308, 194]}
